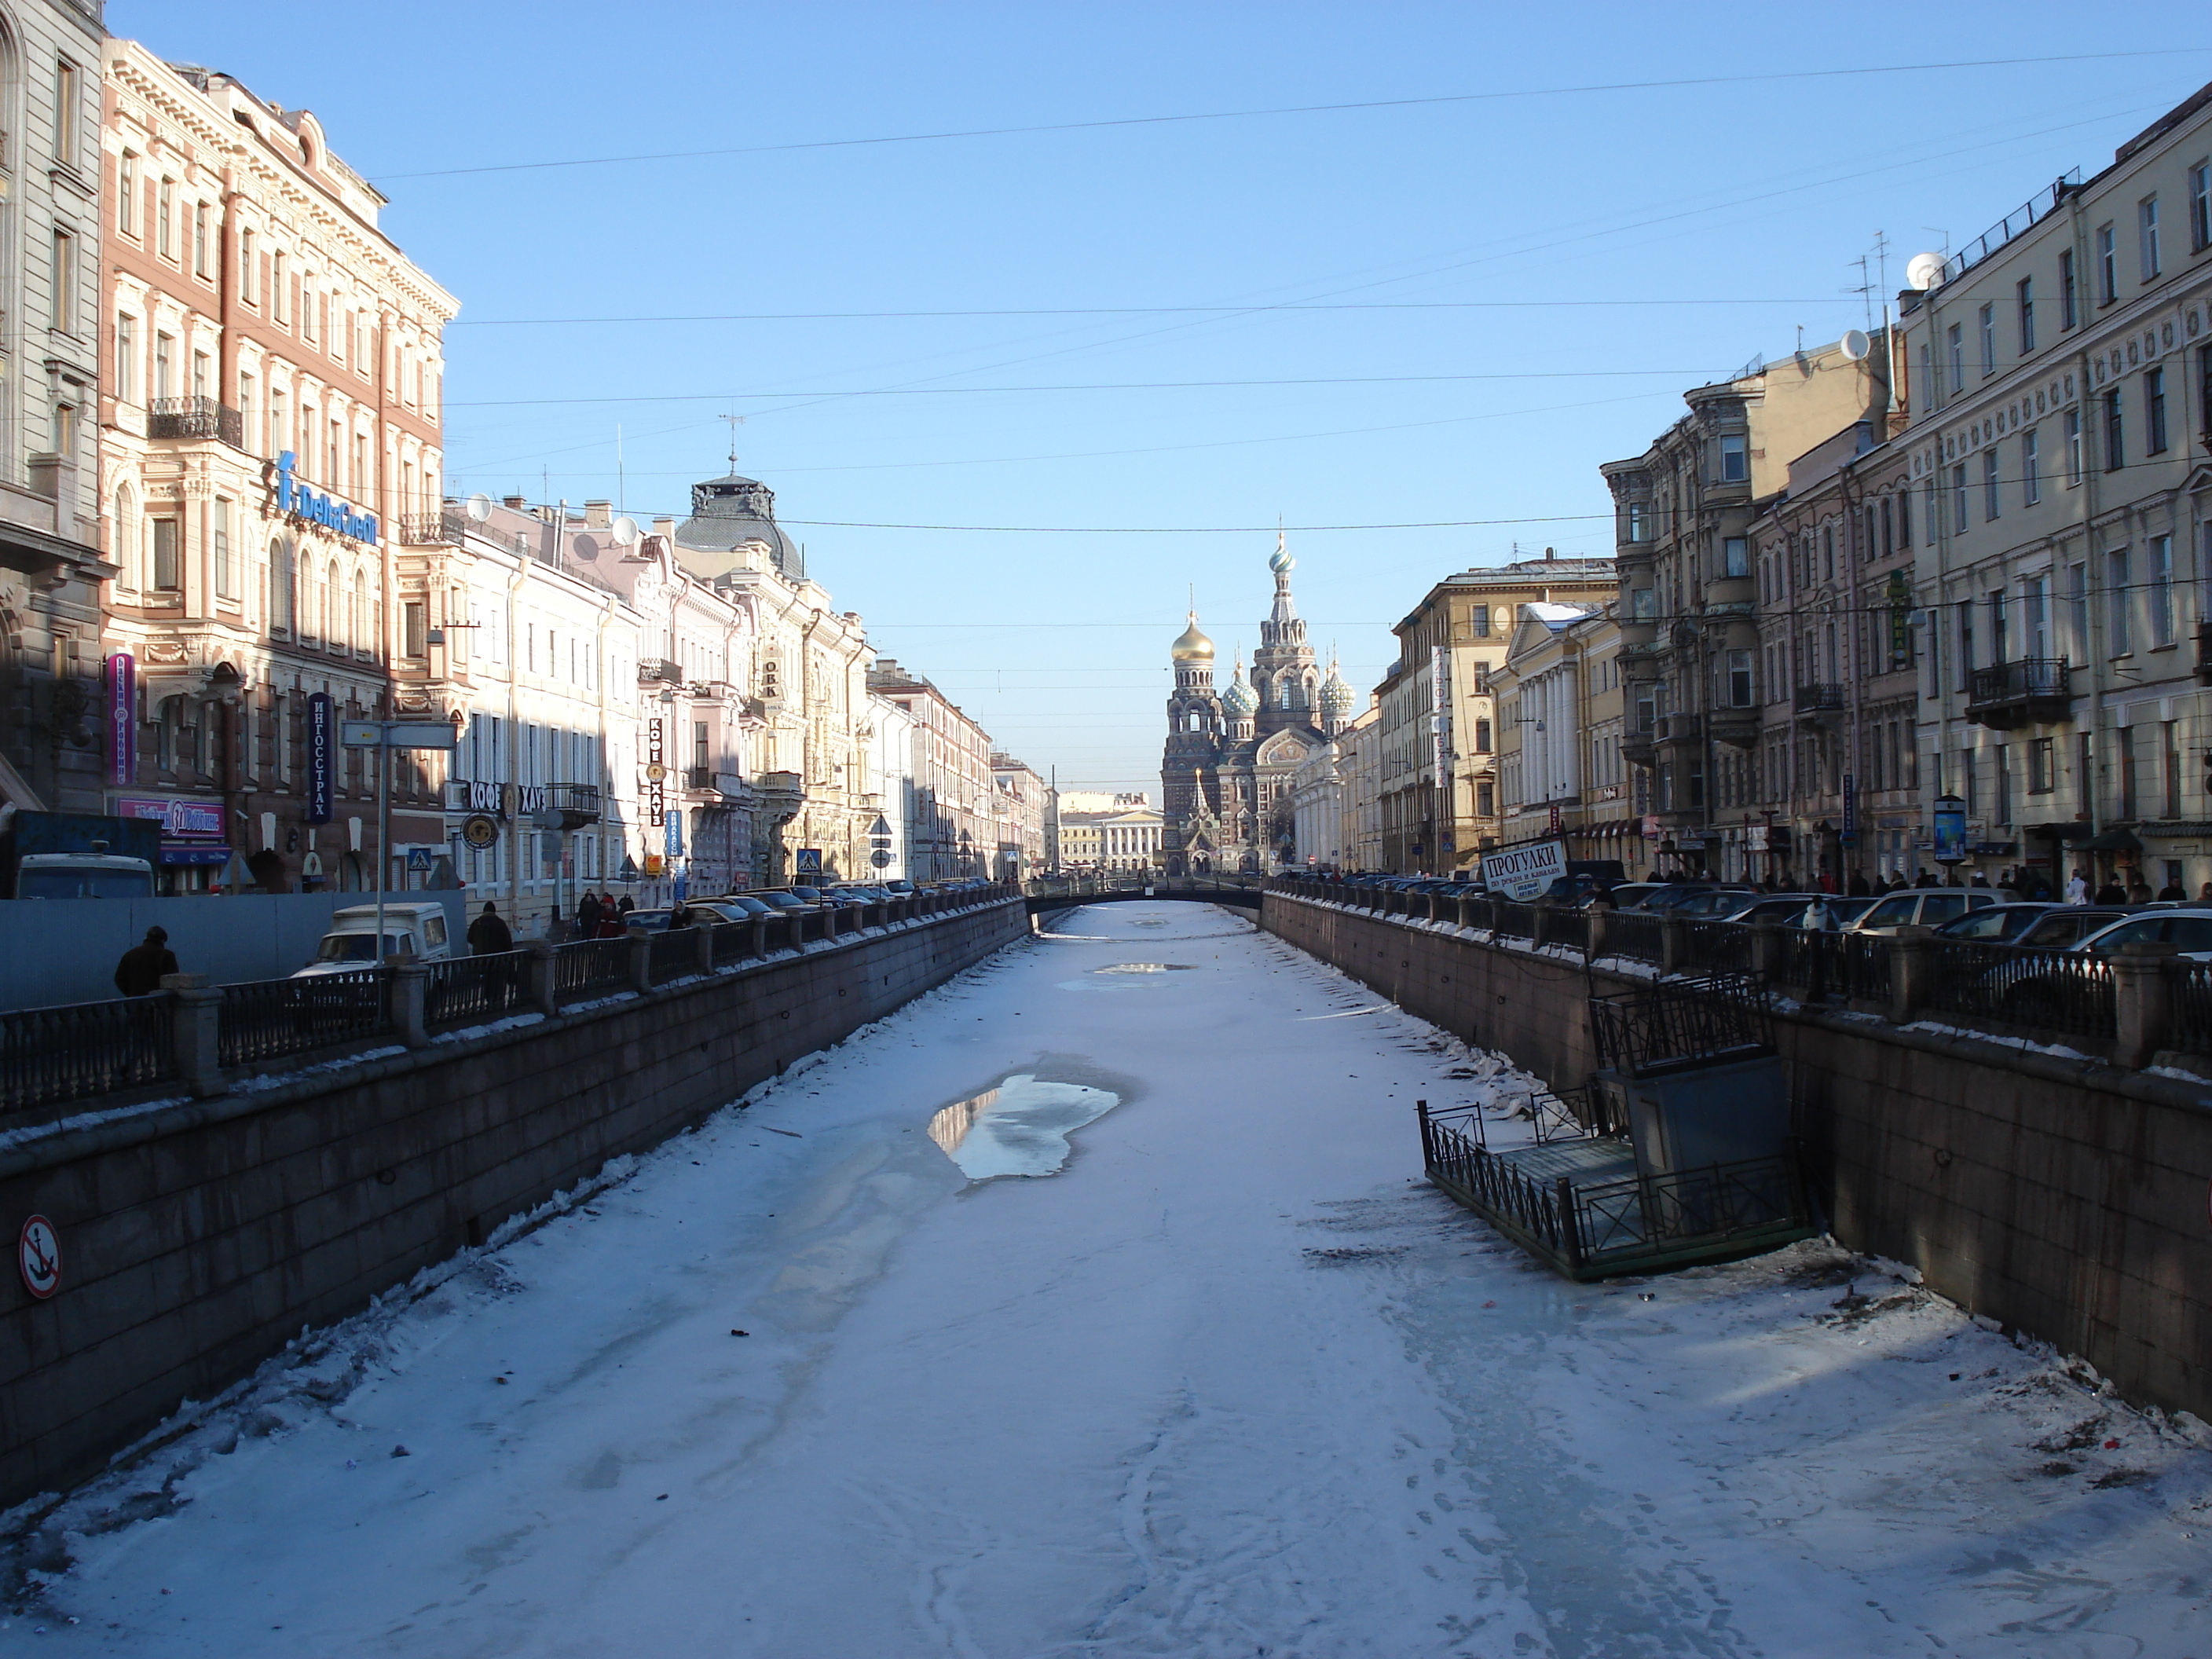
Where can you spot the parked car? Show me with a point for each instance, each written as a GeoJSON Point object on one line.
{"type": "Point", "coordinates": [2188, 930]}
{"type": "Point", "coordinates": [1785, 908]}
{"type": "Point", "coordinates": [784, 899]}
{"type": "Point", "coordinates": [1924, 906]}
{"type": "Point", "coordinates": [2064, 924]}
{"type": "Point", "coordinates": [2034, 989]}
{"type": "Point", "coordinates": [1625, 895]}
{"type": "Point", "coordinates": [2000, 923]}
{"type": "Point", "coordinates": [411, 929]}
{"type": "Point", "coordinates": [747, 904]}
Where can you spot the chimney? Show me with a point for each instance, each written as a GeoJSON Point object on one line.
{"type": "Point", "coordinates": [1551, 553]}
{"type": "Point", "coordinates": [664, 527]}
{"type": "Point", "coordinates": [514, 501]}
{"type": "Point", "coordinates": [598, 514]}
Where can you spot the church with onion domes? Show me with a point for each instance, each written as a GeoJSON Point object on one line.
{"type": "Point", "coordinates": [1231, 753]}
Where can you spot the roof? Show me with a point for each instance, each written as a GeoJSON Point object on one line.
{"type": "Point", "coordinates": [730, 511]}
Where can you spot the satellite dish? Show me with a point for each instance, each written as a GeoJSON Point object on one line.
{"type": "Point", "coordinates": [1924, 270]}
{"type": "Point", "coordinates": [1856, 344]}
{"type": "Point", "coordinates": [479, 508]}
{"type": "Point", "coordinates": [585, 548]}
{"type": "Point", "coordinates": [625, 531]}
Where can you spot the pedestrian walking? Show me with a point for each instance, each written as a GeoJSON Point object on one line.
{"type": "Point", "coordinates": [1820, 922]}
{"type": "Point", "coordinates": [488, 933]}
{"type": "Point", "coordinates": [139, 973]}
{"type": "Point", "coordinates": [2077, 887]}
{"type": "Point", "coordinates": [2173, 890]}
{"type": "Point", "coordinates": [588, 916]}
{"type": "Point", "coordinates": [626, 904]}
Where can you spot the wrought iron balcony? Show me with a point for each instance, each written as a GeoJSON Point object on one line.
{"type": "Point", "coordinates": [1825, 698]}
{"type": "Point", "coordinates": [2029, 691]}
{"type": "Point", "coordinates": [195, 417]}
{"type": "Point", "coordinates": [430, 530]}
{"type": "Point", "coordinates": [658, 670]}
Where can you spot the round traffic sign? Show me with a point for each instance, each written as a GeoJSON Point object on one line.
{"type": "Point", "coordinates": [880, 859]}
{"type": "Point", "coordinates": [481, 830]}
{"type": "Point", "coordinates": [39, 1257]}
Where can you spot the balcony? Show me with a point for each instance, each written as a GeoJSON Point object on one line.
{"type": "Point", "coordinates": [428, 530]}
{"type": "Point", "coordinates": [195, 417]}
{"type": "Point", "coordinates": [1682, 728]}
{"type": "Point", "coordinates": [1736, 727]}
{"type": "Point", "coordinates": [658, 670]}
{"type": "Point", "coordinates": [1635, 747]}
{"type": "Point", "coordinates": [2028, 692]}
{"type": "Point", "coordinates": [1821, 701]}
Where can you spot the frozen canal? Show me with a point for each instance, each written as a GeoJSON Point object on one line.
{"type": "Point", "coordinates": [1230, 1383]}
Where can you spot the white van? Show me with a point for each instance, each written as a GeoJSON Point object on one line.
{"type": "Point", "coordinates": [411, 929]}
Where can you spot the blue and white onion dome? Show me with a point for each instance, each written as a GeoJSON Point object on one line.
{"type": "Point", "coordinates": [1240, 700]}
{"type": "Point", "coordinates": [1336, 698]}
{"type": "Point", "coordinates": [1281, 561]}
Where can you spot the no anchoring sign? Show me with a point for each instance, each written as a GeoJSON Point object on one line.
{"type": "Point", "coordinates": [39, 1257]}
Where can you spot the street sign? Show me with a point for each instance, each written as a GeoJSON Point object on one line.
{"type": "Point", "coordinates": [418, 858]}
{"type": "Point", "coordinates": [480, 831]}
{"type": "Point", "coordinates": [808, 861]}
{"type": "Point", "coordinates": [881, 860]}
{"type": "Point", "coordinates": [360, 734]}
{"type": "Point", "coordinates": [39, 1257]}
{"type": "Point", "coordinates": [879, 830]}
{"type": "Point", "coordinates": [399, 734]}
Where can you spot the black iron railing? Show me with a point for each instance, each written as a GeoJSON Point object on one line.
{"type": "Point", "coordinates": [1716, 947]}
{"type": "Point", "coordinates": [1511, 920]}
{"type": "Point", "coordinates": [2025, 679]}
{"type": "Point", "coordinates": [1818, 964]}
{"type": "Point", "coordinates": [1452, 1151]}
{"type": "Point", "coordinates": [1710, 1205]}
{"type": "Point", "coordinates": [269, 1018]}
{"type": "Point", "coordinates": [1820, 698]}
{"type": "Point", "coordinates": [1635, 935]}
{"type": "Point", "coordinates": [589, 965]}
{"type": "Point", "coordinates": [2189, 1006]}
{"type": "Point", "coordinates": [195, 417]}
{"type": "Point", "coordinates": [1567, 925]}
{"type": "Point", "coordinates": [2061, 992]}
{"type": "Point", "coordinates": [468, 989]}
{"type": "Point", "coordinates": [50, 1055]}
{"type": "Point", "coordinates": [674, 954]}
{"type": "Point", "coordinates": [1674, 1023]}
{"type": "Point", "coordinates": [733, 942]}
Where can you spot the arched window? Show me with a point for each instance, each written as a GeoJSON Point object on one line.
{"type": "Point", "coordinates": [359, 611]}
{"type": "Point", "coordinates": [334, 608]}
{"type": "Point", "coordinates": [280, 585]}
{"type": "Point", "coordinates": [126, 534]}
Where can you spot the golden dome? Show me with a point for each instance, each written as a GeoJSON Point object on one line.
{"type": "Point", "coordinates": [1193, 647]}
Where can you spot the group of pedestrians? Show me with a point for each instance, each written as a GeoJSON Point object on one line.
{"type": "Point", "coordinates": [602, 916]}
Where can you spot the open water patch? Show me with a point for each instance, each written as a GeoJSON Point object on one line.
{"type": "Point", "coordinates": [1020, 1127]}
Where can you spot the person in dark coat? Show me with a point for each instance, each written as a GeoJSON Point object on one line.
{"type": "Point", "coordinates": [2112, 893]}
{"type": "Point", "coordinates": [1858, 888]}
{"type": "Point", "coordinates": [588, 916]}
{"type": "Point", "coordinates": [139, 973]}
{"type": "Point", "coordinates": [2173, 890]}
{"type": "Point", "coordinates": [488, 933]}
{"type": "Point", "coordinates": [626, 904]}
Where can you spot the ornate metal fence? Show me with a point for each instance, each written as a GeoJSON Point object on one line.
{"type": "Point", "coordinates": [50, 1055]}
{"type": "Point", "coordinates": [2189, 993]}
{"type": "Point", "coordinates": [1851, 966]}
{"type": "Point", "coordinates": [468, 989]}
{"type": "Point", "coordinates": [1679, 1023]}
{"type": "Point", "coordinates": [1718, 947]}
{"type": "Point", "coordinates": [269, 1018]}
{"type": "Point", "coordinates": [591, 965]}
{"type": "Point", "coordinates": [1511, 920]}
{"type": "Point", "coordinates": [1635, 935]}
{"type": "Point", "coordinates": [675, 953]}
{"type": "Point", "coordinates": [2061, 992]}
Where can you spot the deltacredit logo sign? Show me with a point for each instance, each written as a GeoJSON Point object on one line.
{"type": "Point", "coordinates": [295, 499]}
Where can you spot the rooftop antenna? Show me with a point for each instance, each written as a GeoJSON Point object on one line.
{"type": "Point", "coordinates": [735, 421]}
{"type": "Point", "coordinates": [621, 489]}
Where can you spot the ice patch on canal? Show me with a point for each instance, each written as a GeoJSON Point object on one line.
{"type": "Point", "coordinates": [1019, 1128]}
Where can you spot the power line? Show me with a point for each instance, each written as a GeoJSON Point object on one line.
{"type": "Point", "coordinates": [1096, 386]}
{"type": "Point", "coordinates": [1173, 530]}
{"type": "Point", "coordinates": [1590, 89]}
{"type": "Point", "coordinates": [1113, 311]}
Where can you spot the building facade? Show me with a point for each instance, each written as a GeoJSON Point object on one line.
{"type": "Point", "coordinates": [1559, 700]}
{"type": "Point", "coordinates": [1441, 801]}
{"type": "Point", "coordinates": [1683, 512]}
{"type": "Point", "coordinates": [1024, 802]}
{"type": "Point", "coordinates": [951, 807]}
{"type": "Point", "coordinates": [269, 416]}
{"type": "Point", "coordinates": [55, 745]}
{"type": "Point", "coordinates": [2061, 446]}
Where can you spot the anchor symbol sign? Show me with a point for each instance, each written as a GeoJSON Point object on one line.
{"type": "Point", "coordinates": [38, 1257]}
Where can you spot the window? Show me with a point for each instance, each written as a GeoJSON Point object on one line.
{"type": "Point", "coordinates": [308, 300]}
{"type": "Point", "coordinates": [1988, 322]}
{"type": "Point", "coordinates": [126, 194]}
{"type": "Point", "coordinates": [1477, 621]}
{"type": "Point", "coordinates": [2004, 754]}
{"type": "Point", "coordinates": [2024, 297]}
{"type": "Point", "coordinates": [245, 389]}
{"type": "Point", "coordinates": [280, 301]}
{"type": "Point", "coordinates": [2073, 448]}
{"type": "Point", "coordinates": [165, 219]}
{"type": "Point", "coordinates": [2200, 207]}
{"type": "Point", "coordinates": [165, 367]}
{"type": "Point", "coordinates": [2042, 768]}
{"type": "Point", "coordinates": [2147, 236]}
{"type": "Point", "coordinates": [2030, 462]}
{"type": "Point", "coordinates": [65, 295]}
{"type": "Point", "coordinates": [1483, 739]}
{"type": "Point", "coordinates": [1904, 518]}
{"type": "Point", "coordinates": [2108, 265]}
{"type": "Point", "coordinates": [200, 267]}
{"type": "Point", "coordinates": [280, 432]}
{"type": "Point", "coordinates": [2154, 411]}
{"type": "Point", "coordinates": [2077, 607]}
{"type": "Point", "coordinates": [126, 358]}
{"type": "Point", "coordinates": [1735, 458]}
{"type": "Point", "coordinates": [1739, 679]}
{"type": "Point", "coordinates": [1639, 521]}
{"type": "Point", "coordinates": [2169, 753]}
{"type": "Point", "coordinates": [2160, 548]}
{"type": "Point", "coordinates": [1956, 340]}
{"type": "Point", "coordinates": [1888, 543]}
{"type": "Point", "coordinates": [67, 144]}
{"type": "Point", "coordinates": [165, 555]}
{"type": "Point", "coordinates": [1927, 373]}
{"type": "Point", "coordinates": [2038, 617]}
{"type": "Point", "coordinates": [2000, 630]}
{"type": "Point", "coordinates": [2069, 311]}
{"type": "Point", "coordinates": [1735, 556]}
{"type": "Point", "coordinates": [226, 582]}
{"type": "Point", "coordinates": [249, 268]}
{"type": "Point", "coordinates": [280, 585]}
{"type": "Point", "coordinates": [1959, 499]}
{"type": "Point", "coordinates": [2118, 638]}
{"type": "Point", "coordinates": [1989, 485]}
{"type": "Point", "coordinates": [1965, 643]}
{"type": "Point", "coordinates": [415, 628]}
{"type": "Point", "coordinates": [2115, 435]}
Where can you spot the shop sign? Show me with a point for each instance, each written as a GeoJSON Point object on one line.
{"type": "Point", "coordinates": [122, 711]}
{"type": "Point", "coordinates": [1523, 872]}
{"type": "Point", "coordinates": [1651, 830]}
{"type": "Point", "coordinates": [470, 796]}
{"type": "Point", "coordinates": [655, 771]}
{"type": "Point", "coordinates": [1850, 837]}
{"type": "Point", "coordinates": [1754, 838]}
{"type": "Point", "coordinates": [176, 817]}
{"type": "Point", "coordinates": [299, 501]}
{"type": "Point", "coordinates": [1900, 612]}
{"type": "Point", "coordinates": [322, 751]}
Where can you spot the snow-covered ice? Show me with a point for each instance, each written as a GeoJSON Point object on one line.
{"type": "Point", "coordinates": [1232, 1381]}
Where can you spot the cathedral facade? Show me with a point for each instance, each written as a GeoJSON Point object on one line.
{"type": "Point", "coordinates": [1231, 753]}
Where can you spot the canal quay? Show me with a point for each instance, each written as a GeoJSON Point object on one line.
{"type": "Point", "coordinates": [1094, 1304]}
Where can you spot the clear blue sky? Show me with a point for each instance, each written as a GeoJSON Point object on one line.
{"type": "Point", "coordinates": [1762, 194]}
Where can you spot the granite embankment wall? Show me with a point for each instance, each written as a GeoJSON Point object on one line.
{"type": "Point", "coordinates": [2063, 1197]}
{"type": "Point", "coordinates": [198, 1236]}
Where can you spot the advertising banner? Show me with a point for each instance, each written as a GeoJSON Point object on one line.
{"type": "Point", "coordinates": [1949, 828]}
{"type": "Point", "coordinates": [1850, 831]}
{"type": "Point", "coordinates": [322, 757]}
{"type": "Point", "coordinates": [122, 716]}
{"type": "Point", "coordinates": [1521, 873]}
